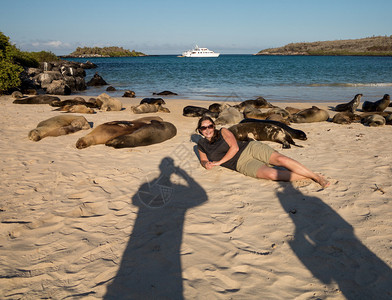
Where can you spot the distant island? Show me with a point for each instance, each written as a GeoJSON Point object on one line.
{"type": "Point", "coordinates": [103, 52]}
{"type": "Point", "coordinates": [371, 46]}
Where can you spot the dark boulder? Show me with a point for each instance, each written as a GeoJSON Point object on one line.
{"type": "Point", "coordinates": [97, 80]}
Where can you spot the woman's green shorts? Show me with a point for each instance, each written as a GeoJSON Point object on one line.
{"type": "Point", "coordinates": [255, 155]}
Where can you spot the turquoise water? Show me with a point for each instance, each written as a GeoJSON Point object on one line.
{"type": "Point", "coordinates": [241, 77]}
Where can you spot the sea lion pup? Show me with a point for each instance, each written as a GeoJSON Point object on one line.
{"type": "Point", "coordinates": [378, 106]}
{"type": "Point", "coordinates": [310, 115]}
{"type": "Point", "coordinates": [158, 101]}
{"type": "Point", "coordinates": [80, 108]}
{"type": "Point", "coordinates": [295, 133]}
{"type": "Point", "coordinates": [262, 132]}
{"type": "Point", "coordinates": [59, 125]}
{"type": "Point", "coordinates": [260, 102]}
{"type": "Point", "coordinates": [39, 99]}
{"type": "Point", "coordinates": [351, 106]}
{"type": "Point", "coordinates": [196, 111]}
{"type": "Point", "coordinates": [153, 133]}
{"type": "Point", "coordinates": [229, 115]}
{"type": "Point", "coordinates": [110, 130]}
{"type": "Point", "coordinates": [373, 120]}
{"type": "Point", "coordinates": [149, 108]}
{"type": "Point", "coordinates": [346, 117]}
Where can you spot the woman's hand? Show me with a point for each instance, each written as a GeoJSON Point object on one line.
{"type": "Point", "coordinates": [209, 165]}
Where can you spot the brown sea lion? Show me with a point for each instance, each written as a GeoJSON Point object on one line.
{"type": "Point", "coordinates": [350, 106]}
{"type": "Point", "coordinates": [107, 131]}
{"type": "Point", "coordinates": [309, 115]}
{"type": "Point", "coordinates": [109, 103]}
{"type": "Point", "coordinates": [197, 111]}
{"type": "Point", "coordinates": [39, 99]}
{"type": "Point", "coordinates": [260, 102]}
{"type": "Point", "coordinates": [346, 117]}
{"type": "Point", "coordinates": [81, 109]}
{"type": "Point", "coordinates": [261, 131]}
{"type": "Point", "coordinates": [292, 110]}
{"type": "Point", "coordinates": [59, 125]}
{"type": "Point", "coordinates": [157, 101]}
{"type": "Point", "coordinates": [229, 115]}
{"type": "Point", "coordinates": [70, 102]}
{"type": "Point", "coordinates": [373, 120]}
{"type": "Point", "coordinates": [149, 108]}
{"type": "Point", "coordinates": [254, 113]}
{"type": "Point", "coordinates": [152, 133]}
{"type": "Point", "coordinates": [295, 133]}
{"type": "Point", "coordinates": [378, 106]}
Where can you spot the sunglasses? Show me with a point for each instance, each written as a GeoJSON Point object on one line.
{"type": "Point", "coordinates": [202, 128]}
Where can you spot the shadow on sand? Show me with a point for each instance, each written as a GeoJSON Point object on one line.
{"type": "Point", "coordinates": [151, 264]}
{"type": "Point", "coordinates": [326, 244]}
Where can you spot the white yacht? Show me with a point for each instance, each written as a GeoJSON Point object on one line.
{"type": "Point", "coordinates": [200, 52]}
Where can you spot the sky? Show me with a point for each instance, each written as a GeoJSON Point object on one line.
{"type": "Point", "coordinates": [173, 26]}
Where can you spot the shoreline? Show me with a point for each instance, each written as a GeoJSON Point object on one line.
{"type": "Point", "coordinates": [72, 223]}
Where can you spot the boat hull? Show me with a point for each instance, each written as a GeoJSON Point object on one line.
{"type": "Point", "coordinates": [201, 55]}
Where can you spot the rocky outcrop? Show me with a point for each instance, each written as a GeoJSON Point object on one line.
{"type": "Point", "coordinates": [59, 77]}
{"type": "Point", "coordinates": [97, 80]}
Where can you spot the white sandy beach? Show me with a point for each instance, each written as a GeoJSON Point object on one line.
{"type": "Point", "coordinates": [73, 225]}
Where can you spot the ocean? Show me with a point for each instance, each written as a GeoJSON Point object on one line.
{"type": "Point", "coordinates": [242, 77]}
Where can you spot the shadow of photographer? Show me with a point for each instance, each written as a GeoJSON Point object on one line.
{"type": "Point", "coordinates": [151, 264]}
{"type": "Point", "coordinates": [326, 244]}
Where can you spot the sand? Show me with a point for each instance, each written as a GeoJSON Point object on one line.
{"type": "Point", "coordinates": [81, 224]}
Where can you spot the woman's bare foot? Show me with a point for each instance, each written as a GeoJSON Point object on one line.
{"type": "Point", "coordinates": [321, 180]}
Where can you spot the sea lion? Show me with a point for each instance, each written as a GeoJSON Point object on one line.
{"type": "Point", "coordinates": [216, 107]}
{"type": "Point", "coordinates": [378, 106]}
{"type": "Point", "coordinates": [76, 101]}
{"type": "Point", "coordinates": [196, 111]}
{"type": "Point", "coordinates": [253, 113]}
{"type": "Point", "coordinates": [229, 115]}
{"type": "Point", "coordinates": [149, 108]}
{"type": "Point", "coordinates": [350, 106]}
{"type": "Point", "coordinates": [109, 103]}
{"type": "Point", "coordinates": [388, 119]}
{"type": "Point", "coordinates": [309, 115]}
{"type": "Point", "coordinates": [59, 125]}
{"type": "Point", "coordinates": [260, 102]}
{"type": "Point", "coordinates": [165, 93]}
{"type": "Point", "coordinates": [373, 120]}
{"type": "Point", "coordinates": [39, 99]}
{"type": "Point", "coordinates": [346, 117]}
{"type": "Point", "coordinates": [262, 132]}
{"type": "Point", "coordinates": [80, 108]}
{"type": "Point", "coordinates": [295, 133]}
{"type": "Point", "coordinates": [153, 133]}
{"type": "Point", "coordinates": [157, 101]}
{"type": "Point", "coordinates": [110, 130]}
{"type": "Point", "coordinates": [292, 110]}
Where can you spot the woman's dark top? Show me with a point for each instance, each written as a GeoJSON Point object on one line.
{"type": "Point", "coordinates": [218, 148]}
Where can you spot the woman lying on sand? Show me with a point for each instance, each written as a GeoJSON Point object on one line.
{"type": "Point", "coordinates": [220, 148]}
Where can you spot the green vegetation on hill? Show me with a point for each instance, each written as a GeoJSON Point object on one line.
{"type": "Point", "coordinates": [103, 52]}
{"type": "Point", "coordinates": [371, 46]}
{"type": "Point", "coordinates": [12, 62]}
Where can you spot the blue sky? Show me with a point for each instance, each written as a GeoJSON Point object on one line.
{"type": "Point", "coordinates": [172, 26]}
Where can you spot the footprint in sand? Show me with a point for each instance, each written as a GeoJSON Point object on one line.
{"type": "Point", "coordinates": [232, 224]}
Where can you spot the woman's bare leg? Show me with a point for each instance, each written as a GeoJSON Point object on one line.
{"type": "Point", "coordinates": [295, 170]}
